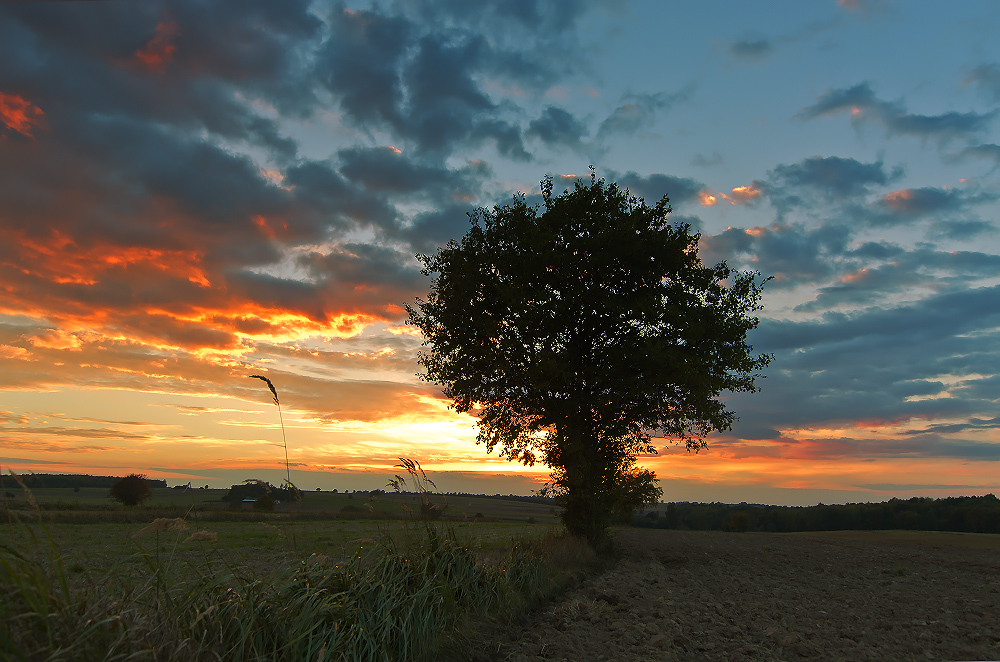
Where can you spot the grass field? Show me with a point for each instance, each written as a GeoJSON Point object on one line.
{"type": "Point", "coordinates": [462, 507]}
{"type": "Point", "coordinates": [186, 576]}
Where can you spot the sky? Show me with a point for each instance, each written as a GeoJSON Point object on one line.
{"type": "Point", "coordinates": [193, 192]}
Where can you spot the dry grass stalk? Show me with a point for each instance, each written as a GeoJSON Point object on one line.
{"type": "Point", "coordinates": [202, 535]}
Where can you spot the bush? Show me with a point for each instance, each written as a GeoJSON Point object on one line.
{"type": "Point", "coordinates": [131, 490]}
{"type": "Point", "coordinates": [264, 503]}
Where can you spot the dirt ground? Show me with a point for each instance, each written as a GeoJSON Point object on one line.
{"type": "Point", "coordinates": [693, 595]}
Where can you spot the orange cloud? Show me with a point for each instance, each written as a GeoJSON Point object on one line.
{"type": "Point", "coordinates": [170, 299]}
{"type": "Point", "coordinates": [19, 114]}
{"type": "Point", "coordinates": [160, 50]}
{"type": "Point", "coordinates": [898, 200]}
{"type": "Point", "coordinates": [738, 196]}
{"type": "Point", "coordinates": [14, 352]}
{"type": "Point", "coordinates": [59, 259]}
{"type": "Point", "coordinates": [56, 339]}
{"type": "Point", "coordinates": [744, 194]}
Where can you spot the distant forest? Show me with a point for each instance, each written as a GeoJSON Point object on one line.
{"type": "Point", "coordinates": [962, 514]}
{"type": "Point", "coordinates": [38, 481]}
{"type": "Point", "coordinates": [967, 514]}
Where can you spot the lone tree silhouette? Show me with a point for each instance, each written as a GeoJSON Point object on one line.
{"type": "Point", "coordinates": [579, 330]}
{"type": "Point", "coordinates": [131, 490]}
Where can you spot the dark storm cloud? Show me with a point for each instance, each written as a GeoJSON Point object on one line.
{"type": "Point", "coordinates": [654, 186]}
{"type": "Point", "coordinates": [557, 127]}
{"type": "Point", "coordinates": [431, 229]}
{"type": "Point", "coordinates": [366, 267]}
{"type": "Point", "coordinates": [530, 39]}
{"type": "Point", "coordinates": [987, 78]}
{"type": "Point", "coordinates": [136, 210]}
{"type": "Point", "coordinates": [424, 80]}
{"type": "Point", "coordinates": [864, 106]}
{"type": "Point", "coordinates": [144, 125]}
{"type": "Point", "coordinates": [387, 170]}
{"type": "Point", "coordinates": [360, 64]}
{"type": "Point", "coordinates": [753, 50]}
{"type": "Point", "coordinates": [191, 82]}
{"type": "Point", "coordinates": [329, 198]}
{"type": "Point", "coordinates": [508, 18]}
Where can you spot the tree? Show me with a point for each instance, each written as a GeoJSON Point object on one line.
{"type": "Point", "coordinates": [578, 330]}
{"type": "Point", "coordinates": [131, 490]}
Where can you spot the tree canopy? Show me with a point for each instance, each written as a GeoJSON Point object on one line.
{"type": "Point", "coordinates": [579, 329]}
{"type": "Point", "coordinates": [131, 490]}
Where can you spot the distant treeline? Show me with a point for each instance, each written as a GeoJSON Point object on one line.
{"type": "Point", "coordinates": [534, 498]}
{"type": "Point", "coordinates": [548, 501]}
{"type": "Point", "coordinates": [256, 489]}
{"type": "Point", "coordinates": [38, 481]}
{"type": "Point", "coordinates": [968, 514]}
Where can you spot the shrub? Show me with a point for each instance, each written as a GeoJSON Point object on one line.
{"type": "Point", "coordinates": [131, 490]}
{"type": "Point", "coordinates": [264, 503]}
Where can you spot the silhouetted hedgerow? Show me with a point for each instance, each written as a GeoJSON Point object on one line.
{"type": "Point", "coordinates": [965, 514]}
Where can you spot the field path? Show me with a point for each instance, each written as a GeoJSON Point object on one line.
{"type": "Point", "coordinates": [693, 595]}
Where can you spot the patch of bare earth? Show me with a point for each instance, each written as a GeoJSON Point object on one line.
{"type": "Point", "coordinates": [693, 595]}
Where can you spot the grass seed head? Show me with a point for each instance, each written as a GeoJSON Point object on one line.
{"type": "Point", "coordinates": [202, 535]}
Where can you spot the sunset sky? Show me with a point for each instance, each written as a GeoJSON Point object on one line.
{"type": "Point", "coordinates": [193, 192]}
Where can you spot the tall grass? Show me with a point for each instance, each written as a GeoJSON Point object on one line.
{"type": "Point", "coordinates": [396, 599]}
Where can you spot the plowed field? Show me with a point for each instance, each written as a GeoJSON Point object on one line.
{"type": "Point", "coordinates": [686, 595]}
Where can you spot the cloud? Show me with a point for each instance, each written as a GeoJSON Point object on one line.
{"type": "Point", "coordinates": [557, 127]}
{"type": "Point", "coordinates": [833, 176]}
{"type": "Point", "coordinates": [422, 84]}
{"type": "Point", "coordinates": [846, 191]}
{"type": "Point", "coordinates": [654, 186]}
{"type": "Point", "coordinates": [387, 170]}
{"type": "Point", "coordinates": [960, 230]}
{"type": "Point", "coordinates": [881, 392]}
{"type": "Point", "coordinates": [989, 152]}
{"type": "Point", "coordinates": [987, 78]}
{"type": "Point", "coordinates": [752, 50]}
{"type": "Point", "coordinates": [430, 229]}
{"type": "Point", "coordinates": [923, 201]}
{"type": "Point", "coordinates": [862, 104]}
{"type": "Point", "coordinates": [922, 268]}
{"type": "Point", "coordinates": [639, 111]}
{"type": "Point", "coordinates": [911, 205]}
{"type": "Point", "coordinates": [20, 115]}
{"type": "Point", "coordinates": [703, 161]}
{"type": "Point", "coordinates": [792, 254]}
{"type": "Point", "coordinates": [739, 195]}
{"type": "Point", "coordinates": [160, 49]}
